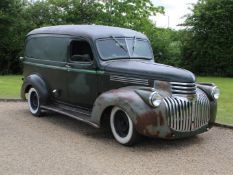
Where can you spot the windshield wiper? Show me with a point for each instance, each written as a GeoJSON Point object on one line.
{"type": "Point", "coordinates": [120, 45]}
{"type": "Point", "coordinates": [134, 42]}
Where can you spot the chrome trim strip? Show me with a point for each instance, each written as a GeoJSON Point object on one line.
{"type": "Point", "coordinates": [129, 80]}
{"type": "Point", "coordinates": [118, 79]}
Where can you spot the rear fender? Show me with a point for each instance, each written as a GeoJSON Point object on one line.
{"type": "Point", "coordinates": [39, 84]}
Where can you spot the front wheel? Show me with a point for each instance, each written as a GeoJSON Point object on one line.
{"type": "Point", "coordinates": [34, 102]}
{"type": "Point", "coordinates": [122, 127]}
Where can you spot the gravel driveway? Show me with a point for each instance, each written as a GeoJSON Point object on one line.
{"type": "Point", "coordinates": [56, 144]}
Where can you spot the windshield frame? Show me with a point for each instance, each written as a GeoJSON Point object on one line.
{"type": "Point", "coordinates": [124, 57]}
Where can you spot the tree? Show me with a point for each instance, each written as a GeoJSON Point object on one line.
{"type": "Point", "coordinates": [11, 35]}
{"type": "Point", "coordinates": [208, 49]}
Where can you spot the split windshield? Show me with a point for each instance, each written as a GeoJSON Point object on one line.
{"type": "Point", "coordinates": [118, 48]}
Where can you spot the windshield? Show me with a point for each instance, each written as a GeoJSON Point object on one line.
{"type": "Point", "coordinates": [114, 48]}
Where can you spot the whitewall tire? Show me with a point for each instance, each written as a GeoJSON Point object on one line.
{"type": "Point", "coordinates": [34, 102]}
{"type": "Point", "coordinates": [122, 127]}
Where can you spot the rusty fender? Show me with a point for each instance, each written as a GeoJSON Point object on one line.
{"type": "Point", "coordinates": [206, 87]}
{"type": "Point", "coordinates": [148, 121]}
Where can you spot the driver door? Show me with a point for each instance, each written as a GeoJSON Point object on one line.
{"type": "Point", "coordinates": [82, 78]}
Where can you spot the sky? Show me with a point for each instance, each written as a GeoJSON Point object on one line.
{"type": "Point", "coordinates": [174, 11]}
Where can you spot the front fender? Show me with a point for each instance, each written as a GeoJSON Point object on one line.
{"type": "Point", "coordinates": [207, 88]}
{"type": "Point", "coordinates": [37, 82]}
{"type": "Point", "coordinates": [147, 120]}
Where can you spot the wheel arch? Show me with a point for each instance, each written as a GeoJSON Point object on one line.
{"type": "Point", "coordinates": [147, 120]}
{"type": "Point", "coordinates": [126, 98]}
{"type": "Point", "coordinates": [105, 117]}
{"type": "Point", "coordinates": [34, 80]}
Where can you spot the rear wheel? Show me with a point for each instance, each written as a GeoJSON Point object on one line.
{"type": "Point", "coordinates": [122, 127]}
{"type": "Point", "coordinates": [34, 102]}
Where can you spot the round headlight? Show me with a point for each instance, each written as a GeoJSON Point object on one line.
{"type": "Point", "coordinates": [155, 99]}
{"type": "Point", "coordinates": [215, 92]}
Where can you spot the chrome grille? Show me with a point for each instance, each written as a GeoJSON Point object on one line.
{"type": "Point", "coordinates": [186, 115]}
{"type": "Point", "coordinates": [183, 88]}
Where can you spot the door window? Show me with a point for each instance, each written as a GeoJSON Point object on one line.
{"type": "Point", "coordinates": [81, 52]}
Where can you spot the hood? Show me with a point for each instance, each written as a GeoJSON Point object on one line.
{"type": "Point", "coordinates": [150, 70]}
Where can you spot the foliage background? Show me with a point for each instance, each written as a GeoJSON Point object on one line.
{"type": "Point", "coordinates": [204, 47]}
{"type": "Point", "coordinates": [208, 48]}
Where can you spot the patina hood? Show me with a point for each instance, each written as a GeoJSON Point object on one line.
{"type": "Point", "coordinates": [149, 69]}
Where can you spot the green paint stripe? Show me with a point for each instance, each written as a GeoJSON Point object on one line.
{"type": "Point", "coordinates": [85, 71]}
{"type": "Point", "coordinates": [45, 66]}
{"type": "Point", "coordinates": [67, 69]}
{"type": "Point", "coordinates": [100, 72]}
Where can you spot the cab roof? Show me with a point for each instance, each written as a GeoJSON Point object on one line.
{"type": "Point", "coordinates": [91, 31]}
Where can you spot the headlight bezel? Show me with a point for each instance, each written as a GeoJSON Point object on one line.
{"type": "Point", "coordinates": [155, 99]}
{"type": "Point", "coordinates": [215, 92]}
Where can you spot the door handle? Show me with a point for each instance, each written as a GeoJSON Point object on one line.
{"type": "Point", "coordinates": [67, 66]}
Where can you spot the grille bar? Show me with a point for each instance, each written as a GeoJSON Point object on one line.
{"type": "Point", "coordinates": [185, 115]}
{"type": "Point", "coordinates": [184, 87]}
{"type": "Point", "coordinates": [183, 84]}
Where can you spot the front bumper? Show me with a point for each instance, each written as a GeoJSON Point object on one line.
{"type": "Point", "coordinates": [178, 134]}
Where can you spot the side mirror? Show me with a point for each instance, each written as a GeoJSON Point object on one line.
{"type": "Point", "coordinates": [81, 58]}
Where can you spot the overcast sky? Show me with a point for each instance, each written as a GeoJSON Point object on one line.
{"type": "Point", "coordinates": [174, 9]}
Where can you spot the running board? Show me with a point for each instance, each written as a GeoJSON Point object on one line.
{"type": "Point", "coordinates": [78, 115]}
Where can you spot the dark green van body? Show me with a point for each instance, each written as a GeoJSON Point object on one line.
{"type": "Point", "coordinates": [91, 88]}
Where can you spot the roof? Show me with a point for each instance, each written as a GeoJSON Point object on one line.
{"type": "Point", "coordinates": [90, 31]}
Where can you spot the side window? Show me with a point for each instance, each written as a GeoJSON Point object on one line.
{"type": "Point", "coordinates": [47, 48]}
{"type": "Point", "coordinates": [80, 51]}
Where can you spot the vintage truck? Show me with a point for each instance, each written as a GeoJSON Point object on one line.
{"type": "Point", "coordinates": [106, 76]}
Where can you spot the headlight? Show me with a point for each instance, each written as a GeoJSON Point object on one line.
{"type": "Point", "coordinates": [155, 99]}
{"type": "Point", "coordinates": [215, 92]}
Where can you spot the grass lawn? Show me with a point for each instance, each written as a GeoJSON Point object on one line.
{"type": "Point", "coordinates": [10, 88]}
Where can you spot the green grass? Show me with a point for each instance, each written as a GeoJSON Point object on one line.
{"type": "Point", "coordinates": [225, 103]}
{"type": "Point", "coordinates": [10, 88]}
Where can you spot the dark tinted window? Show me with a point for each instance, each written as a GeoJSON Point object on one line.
{"type": "Point", "coordinates": [47, 48]}
{"type": "Point", "coordinates": [80, 51]}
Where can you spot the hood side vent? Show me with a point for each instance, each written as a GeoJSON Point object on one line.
{"type": "Point", "coordinates": [129, 80]}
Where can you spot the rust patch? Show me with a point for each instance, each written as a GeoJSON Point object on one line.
{"type": "Point", "coordinates": [157, 133]}
{"type": "Point", "coordinates": [128, 96]}
{"type": "Point", "coordinates": [162, 85]}
{"type": "Point", "coordinates": [150, 118]}
{"type": "Point", "coordinates": [117, 91]}
{"type": "Point", "coordinates": [161, 119]}
{"type": "Point", "coordinates": [145, 132]}
{"type": "Point", "coordinates": [169, 136]}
